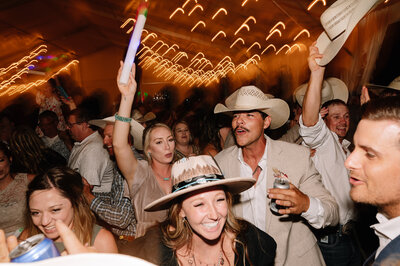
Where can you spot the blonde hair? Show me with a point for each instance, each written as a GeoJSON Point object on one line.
{"type": "Point", "coordinates": [146, 137]}
{"type": "Point", "coordinates": [69, 184]}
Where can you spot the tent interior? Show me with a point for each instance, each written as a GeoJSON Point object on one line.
{"type": "Point", "coordinates": [209, 46]}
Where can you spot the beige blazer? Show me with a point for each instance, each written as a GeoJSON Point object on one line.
{"type": "Point", "coordinates": [296, 244]}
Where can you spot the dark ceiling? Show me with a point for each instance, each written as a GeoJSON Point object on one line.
{"type": "Point", "coordinates": [74, 29]}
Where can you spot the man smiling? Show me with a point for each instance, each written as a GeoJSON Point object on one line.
{"type": "Point", "coordinates": [375, 173]}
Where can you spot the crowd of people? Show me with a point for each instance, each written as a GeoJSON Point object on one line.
{"type": "Point", "coordinates": [197, 188]}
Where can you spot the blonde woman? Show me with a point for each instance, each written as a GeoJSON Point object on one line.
{"type": "Point", "coordinates": [147, 179]}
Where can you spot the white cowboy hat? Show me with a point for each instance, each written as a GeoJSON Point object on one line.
{"type": "Point", "coordinates": [332, 88]}
{"type": "Point", "coordinates": [195, 173]}
{"type": "Point", "coordinates": [143, 118]}
{"type": "Point", "coordinates": [136, 129]}
{"type": "Point", "coordinates": [338, 22]}
{"type": "Point", "coordinates": [249, 98]}
{"type": "Point", "coordinates": [394, 85]}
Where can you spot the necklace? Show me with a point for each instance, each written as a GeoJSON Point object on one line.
{"type": "Point", "coordinates": [220, 261]}
{"type": "Point", "coordinates": [167, 178]}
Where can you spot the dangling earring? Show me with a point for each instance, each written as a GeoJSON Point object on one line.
{"type": "Point", "coordinates": [149, 154]}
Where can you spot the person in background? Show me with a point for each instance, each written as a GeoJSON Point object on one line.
{"type": "Point", "coordinates": [58, 195]}
{"type": "Point", "coordinates": [12, 195]}
{"type": "Point", "coordinates": [147, 179]}
{"type": "Point", "coordinates": [375, 173]}
{"type": "Point", "coordinates": [201, 228]}
{"type": "Point", "coordinates": [115, 208]}
{"type": "Point", "coordinates": [29, 153]}
{"type": "Point", "coordinates": [217, 132]}
{"type": "Point", "coordinates": [144, 120]}
{"type": "Point", "coordinates": [53, 138]}
{"type": "Point", "coordinates": [7, 127]}
{"type": "Point", "coordinates": [88, 156]}
{"type": "Point", "coordinates": [327, 136]}
{"type": "Point", "coordinates": [48, 99]}
{"type": "Point", "coordinates": [184, 146]}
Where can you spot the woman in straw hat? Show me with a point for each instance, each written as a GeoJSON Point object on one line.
{"type": "Point", "coordinates": [147, 179]}
{"type": "Point", "coordinates": [201, 227]}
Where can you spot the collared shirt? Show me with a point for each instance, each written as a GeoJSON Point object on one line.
{"type": "Point", "coordinates": [255, 198]}
{"type": "Point", "coordinates": [115, 208]}
{"type": "Point", "coordinates": [329, 160]}
{"type": "Point", "coordinates": [56, 144]}
{"type": "Point", "coordinates": [386, 230]}
{"type": "Point", "coordinates": [92, 161]}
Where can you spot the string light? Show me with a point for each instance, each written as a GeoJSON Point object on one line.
{"type": "Point", "coordinates": [301, 32]}
{"type": "Point", "coordinates": [245, 25]}
{"type": "Point", "coordinates": [314, 2]}
{"type": "Point", "coordinates": [187, 1]}
{"type": "Point", "coordinates": [216, 35]}
{"type": "Point", "coordinates": [126, 23]}
{"type": "Point", "coordinates": [194, 8]}
{"type": "Point", "coordinates": [176, 10]}
{"type": "Point", "coordinates": [238, 39]}
{"type": "Point", "coordinates": [197, 24]}
{"type": "Point", "coordinates": [272, 33]}
{"type": "Point", "coordinates": [285, 46]}
{"type": "Point", "coordinates": [280, 23]}
{"type": "Point", "coordinates": [255, 43]}
{"type": "Point", "coordinates": [269, 46]}
{"type": "Point", "coordinates": [219, 11]}
{"type": "Point", "coordinates": [245, 1]}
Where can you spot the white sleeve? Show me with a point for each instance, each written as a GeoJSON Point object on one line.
{"type": "Point", "coordinates": [315, 213]}
{"type": "Point", "coordinates": [314, 136]}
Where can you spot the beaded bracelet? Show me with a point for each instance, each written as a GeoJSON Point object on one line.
{"type": "Point", "coordinates": [122, 119]}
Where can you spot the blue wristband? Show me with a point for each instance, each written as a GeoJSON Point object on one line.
{"type": "Point", "coordinates": [122, 119]}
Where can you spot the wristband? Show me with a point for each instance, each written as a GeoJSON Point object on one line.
{"type": "Point", "coordinates": [122, 119]}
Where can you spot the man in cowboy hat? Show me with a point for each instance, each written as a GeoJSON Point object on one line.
{"type": "Point", "coordinates": [115, 208]}
{"type": "Point", "coordinates": [374, 167]}
{"type": "Point", "coordinates": [263, 158]}
{"type": "Point", "coordinates": [327, 137]}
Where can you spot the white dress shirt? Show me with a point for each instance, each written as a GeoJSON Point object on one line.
{"type": "Point", "coordinates": [329, 160]}
{"type": "Point", "coordinates": [386, 230]}
{"type": "Point", "coordinates": [92, 161]}
{"type": "Point", "coordinates": [255, 198]}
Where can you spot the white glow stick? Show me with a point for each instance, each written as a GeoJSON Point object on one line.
{"type": "Point", "coordinates": [133, 46]}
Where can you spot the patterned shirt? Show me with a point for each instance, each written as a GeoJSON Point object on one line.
{"type": "Point", "coordinates": [115, 208]}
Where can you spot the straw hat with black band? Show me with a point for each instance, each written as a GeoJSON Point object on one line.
{"type": "Point", "coordinates": [249, 98]}
{"type": "Point", "coordinates": [194, 173]}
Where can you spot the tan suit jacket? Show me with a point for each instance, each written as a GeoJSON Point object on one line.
{"type": "Point", "coordinates": [296, 244]}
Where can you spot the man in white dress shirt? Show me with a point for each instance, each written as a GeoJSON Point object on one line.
{"type": "Point", "coordinates": [375, 173]}
{"type": "Point", "coordinates": [327, 136]}
{"type": "Point", "coordinates": [88, 157]}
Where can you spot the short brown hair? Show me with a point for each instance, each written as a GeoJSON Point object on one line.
{"type": "Point", "coordinates": [387, 108]}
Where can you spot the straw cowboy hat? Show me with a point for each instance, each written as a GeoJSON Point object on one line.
{"type": "Point", "coordinates": [338, 22]}
{"type": "Point", "coordinates": [143, 118]}
{"type": "Point", "coordinates": [195, 173]}
{"type": "Point", "coordinates": [249, 98]}
{"type": "Point", "coordinates": [136, 129]}
{"type": "Point", "coordinates": [332, 88]}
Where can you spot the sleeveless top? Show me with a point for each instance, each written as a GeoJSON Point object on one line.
{"type": "Point", "coordinates": [13, 205]}
{"type": "Point", "coordinates": [96, 229]}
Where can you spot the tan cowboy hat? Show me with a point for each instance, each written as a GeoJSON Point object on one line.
{"type": "Point", "coordinates": [332, 88]}
{"type": "Point", "coordinates": [338, 22]}
{"type": "Point", "coordinates": [143, 118]}
{"type": "Point", "coordinates": [136, 129]}
{"type": "Point", "coordinates": [195, 173]}
{"type": "Point", "coordinates": [249, 98]}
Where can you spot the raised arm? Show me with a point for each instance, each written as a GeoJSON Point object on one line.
{"type": "Point", "coordinates": [126, 160]}
{"type": "Point", "coordinates": [312, 98]}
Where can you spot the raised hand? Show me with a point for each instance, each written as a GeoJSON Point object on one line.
{"type": "Point", "coordinates": [364, 98]}
{"type": "Point", "coordinates": [314, 54]}
{"type": "Point", "coordinates": [128, 89]}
